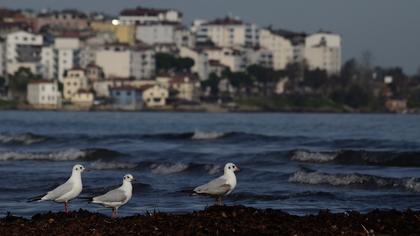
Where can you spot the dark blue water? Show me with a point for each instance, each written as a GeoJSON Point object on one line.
{"type": "Point", "coordinates": [296, 162]}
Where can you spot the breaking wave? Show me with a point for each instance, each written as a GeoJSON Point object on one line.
{"type": "Point", "coordinates": [273, 197]}
{"type": "Point", "coordinates": [354, 179]}
{"type": "Point", "coordinates": [351, 157]}
{"type": "Point", "coordinates": [200, 135]}
{"type": "Point", "coordinates": [24, 138]}
{"type": "Point", "coordinates": [172, 168]}
{"type": "Point", "coordinates": [305, 156]}
{"type": "Point", "coordinates": [102, 165]}
{"type": "Point", "coordinates": [63, 155]}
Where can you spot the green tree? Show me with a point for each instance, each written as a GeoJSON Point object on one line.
{"type": "Point", "coordinates": [184, 64]}
{"type": "Point", "coordinates": [213, 83]}
{"type": "Point", "coordinates": [2, 81]}
{"type": "Point", "coordinates": [166, 62]}
{"type": "Point", "coordinates": [316, 79]}
{"type": "Point", "coordinates": [358, 96]}
{"type": "Point", "coordinates": [18, 82]}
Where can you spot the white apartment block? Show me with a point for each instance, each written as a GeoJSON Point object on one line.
{"type": "Point", "coordinates": [234, 59]}
{"type": "Point", "coordinates": [227, 32]}
{"type": "Point", "coordinates": [90, 45]}
{"type": "Point", "coordinates": [201, 62]}
{"type": "Point", "coordinates": [323, 51]}
{"type": "Point", "coordinates": [44, 94]}
{"type": "Point", "coordinates": [60, 57]}
{"type": "Point", "coordinates": [123, 61]}
{"type": "Point", "coordinates": [23, 49]}
{"type": "Point", "coordinates": [156, 33]}
{"type": "Point", "coordinates": [142, 15]}
{"type": "Point", "coordinates": [184, 38]}
{"type": "Point", "coordinates": [280, 46]}
{"type": "Point", "coordinates": [74, 81]}
{"type": "Point", "coordinates": [2, 57]}
{"type": "Point", "coordinates": [259, 56]}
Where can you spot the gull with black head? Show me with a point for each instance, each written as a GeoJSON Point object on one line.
{"type": "Point", "coordinates": [221, 186]}
{"type": "Point", "coordinates": [67, 191]}
{"type": "Point", "coordinates": [118, 197]}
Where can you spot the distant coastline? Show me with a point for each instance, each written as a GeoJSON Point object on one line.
{"type": "Point", "coordinates": [211, 108]}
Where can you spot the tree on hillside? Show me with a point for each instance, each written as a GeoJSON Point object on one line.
{"type": "Point", "coordinates": [2, 81]}
{"type": "Point", "coordinates": [213, 83]}
{"type": "Point", "coordinates": [166, 63]}
{"type": "Point", "coordinates": [316, 79]}
{"type": "Point", "coordinates": [18, 82]}
{"type": "Point", "coordinates": [264, 76]}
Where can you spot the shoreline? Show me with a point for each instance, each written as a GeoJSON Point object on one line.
{"type": "Point", "coordinates": [217, 220]}
{"type": "Point", "coordinates": [236, 111]}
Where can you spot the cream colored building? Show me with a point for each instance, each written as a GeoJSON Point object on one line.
{"type": "Point", "coordinates": [123, 33]}
{"type": "Point", "coordinates": [201, 61]}
{"type": "Point", "coordinates": [74, 81]}
{"type": "Point", "coordinates": [142, 15]}
{"type": "Point", "coordinates": [154, 95]}
{"type": "Point", "coordinates": [44, 94]}
{"type": "Point", "coordinates": [227, 32]}
{"type": "Point", "coordinates": [323, 51]}
{"type": "Point", "coordinates": [120, 60]}
{"type": "Point", "coordinates": [187, 87]}
{"type": "Point", "coordinates": [280, 46]}
{"type": "Point", "coordinates": [233, 58]}
{"type": "Point", "coordinates": [83, 98]}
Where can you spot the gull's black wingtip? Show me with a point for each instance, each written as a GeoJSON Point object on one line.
{"type": "Point", "coordinates": [34, 199]}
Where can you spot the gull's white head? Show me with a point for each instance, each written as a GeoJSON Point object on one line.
{"type": "Point", "coordinates": [78, 168]}
{"type": "Point", "coordinates": [230, 167]}
{"type": "Point", "coordinates": [128, 178]}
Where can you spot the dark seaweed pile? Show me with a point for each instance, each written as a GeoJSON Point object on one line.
{"type": "Point", "coordinates": [235, 220]}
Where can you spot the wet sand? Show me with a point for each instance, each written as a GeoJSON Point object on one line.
{"type": "Point", "coordinates": [235, 220]}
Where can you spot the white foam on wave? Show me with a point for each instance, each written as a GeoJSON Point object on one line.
{"type": "Point", "coordinates": [20, 138]}
{"type": "Point", "coordinates": [213, 169]}
{"type": "Point", "coordinates": [334, 179]}
{"type": "Point", "coordinates": [304, 177]}
{"type": "Point", "coordinates": [101, 165]}
{"type": "Point", "coordinates": [65, 155]}
{"type": "Point", "coordinates": [305, 156]}
{"type": "Point", "coordinates": [166, 169]}
{"type": "Point", "coordinates": [412, 184]}
{"type": "Point", "coordinates": [201, 135]}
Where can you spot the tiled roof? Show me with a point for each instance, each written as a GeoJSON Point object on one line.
{"type": "Point", "coordinates": [143, 11]}
{"type": "Point", "coordinates": [225, 21]}
{"type": "Point", "coordinates": [42, 81]}
{"type": "Point", "coordinates": [124, 88]}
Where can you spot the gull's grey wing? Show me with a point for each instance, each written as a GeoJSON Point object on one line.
{"type": "Point", "coordinates": [59, 191]}
{"type": "Point", "coordinates": [217, 186]}
{"type": "Point", "coordinates": [116, 195]}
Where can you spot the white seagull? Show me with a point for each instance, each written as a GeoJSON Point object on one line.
{"type": "Point", "coordinates": [67, 191]}
{"type": "Point", "coordinates": [118, 197]}
{"type": "Point", "coordinates": [221, 186]}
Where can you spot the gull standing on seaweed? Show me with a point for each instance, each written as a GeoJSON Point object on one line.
{"type": "Point", "coordinates": [118, 197]}
{"type": "Point", "coordinates": [221, 186]}
{"type": "Point", "coordinates": [67, 191]}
